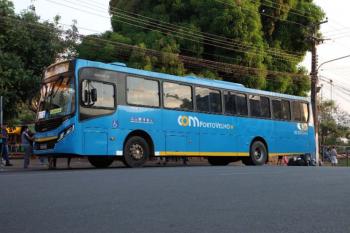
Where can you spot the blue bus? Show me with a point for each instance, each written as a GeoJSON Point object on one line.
{"type": "Point", "coordinates": [110, 111]}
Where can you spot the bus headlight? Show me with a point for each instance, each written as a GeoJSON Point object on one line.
{"type": "Point", "coordinates": [65, 132]}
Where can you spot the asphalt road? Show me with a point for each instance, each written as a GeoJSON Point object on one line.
{"type": "Point", "coordinates": [176, 199]}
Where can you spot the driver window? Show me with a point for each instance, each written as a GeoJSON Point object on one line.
{"type": "Point", "coordinates": [96, 99]}
{"type": "Point", "coordinates": [104, 91]}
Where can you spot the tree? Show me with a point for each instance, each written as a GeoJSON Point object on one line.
{"type": "Point", "coordinates": [27, 46]}
{"type": "Point", "coordinates": [261, 28]}
{"type": "Point", "coordinates": [334, 123]}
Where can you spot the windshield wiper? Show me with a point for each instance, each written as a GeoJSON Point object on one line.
{"type": "Point", "coordinates": [53, 92]}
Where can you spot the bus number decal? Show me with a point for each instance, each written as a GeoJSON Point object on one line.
{"type": "Point", "coordinates": [143, 120]}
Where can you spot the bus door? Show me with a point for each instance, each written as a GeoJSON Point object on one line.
{"type": "Point", "coordinates": [283, 129]}
{"type": "Point", "coordinates": [179, 121]}
{"type": "Point", "coordinates": [216, 129]}
{"type": "Point", "coordinates": [181, 133]}
{"type": "Point", "coordinates": [96, 111]}
{"type": "Point", "coordinates": [217, 135]}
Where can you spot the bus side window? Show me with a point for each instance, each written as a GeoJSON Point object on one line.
{"type": "Point", "coordinates": [260, 106]}
{"type": "Point", "coordinates": [254, 102]}
{"type": "Point", "coordinates": [177, 96]}
{"type": "Point", "coordinates": [202, 99]}
{"type": "Point", "coordinates": [230, 103]}
{"type": "Point", "coordinates": [242, 108]}
{"type": "Point", "coordinates": [265, 107]}
{"type": "Point", "coordinates": [281, 109]}
{"type": "Point", "coordinates": [215, 101]}
{"type": "Point", "coordinates": [208, 100]}
{"type": "Point", "coordinates": [285, 110]}
{"type": "Point", "coordinates": [142, 92]}
{"type": "Point", "coordinates": [304, 112]}
{"type": "Point", "coordinates": [277, 109]}
{"type": "Point", "coordinates": [296, 111]}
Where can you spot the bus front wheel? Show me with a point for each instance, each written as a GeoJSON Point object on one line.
{"type": "Point", "coordinates": [101, 161]}
{"type": "Point", "coordinates": [257, 155]}
{"type": "Point", "coordinates": [219, 161]}
{"type": "Point", "coordinates": [136, 152]}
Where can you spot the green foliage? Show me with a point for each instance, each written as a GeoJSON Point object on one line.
{"type": "Point", "coordinates": [244, 21]}
{"type": "Point", "coordinates": [27, 46]}
{"type": "Point", "coordinates": [334, 123]}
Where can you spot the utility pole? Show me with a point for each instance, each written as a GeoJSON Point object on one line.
{"type": "Point", "coordinates": [331, 84]}
{"type": "Point", "coordinates": [314, 81]}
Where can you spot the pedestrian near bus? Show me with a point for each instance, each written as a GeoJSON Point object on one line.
{"type": "Point", "coordinates": [279, 160]}
{"type": "Point", "coordinates": [5, 146]}
{"type": "Point", "coordinates": [27, 142]}
{"type": "Point", "coordinates": [334, 159]}
{"type": "Point", "coordinates": [41, 158]}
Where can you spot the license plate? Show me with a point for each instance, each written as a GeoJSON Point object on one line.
{"type": "Point", "coordinates": [43, 146]}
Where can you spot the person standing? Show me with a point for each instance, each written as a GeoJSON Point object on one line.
{"type": "Point", "coordinates": [5, 146]}
{"type": "Point", "coordinates": [27, 142]}
{"type": "Point", "coordinates": [279, 160]}
{"type": "Point", "coordinates": [334, 159]}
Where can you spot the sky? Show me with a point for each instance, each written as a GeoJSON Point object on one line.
{"type": "Point", "coordinates": [96, 19]}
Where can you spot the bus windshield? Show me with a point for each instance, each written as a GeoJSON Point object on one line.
{"type": "Point", "coordinates": [57, 98]}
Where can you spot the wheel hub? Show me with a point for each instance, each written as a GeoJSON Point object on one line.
{"type": "Point", "coordinates": [258, 154]}
{"type": "Point", "coordinates": [136, 151]}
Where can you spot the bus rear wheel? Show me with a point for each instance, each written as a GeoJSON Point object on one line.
{"type": "Point", "coordinates": [136, 152]}
{"type": "Point", "coordinates": [101, 161]}
{"type": "Point", "coordinates": [219, 161]}
{"type": "Point", "coordinates": [257, 155]}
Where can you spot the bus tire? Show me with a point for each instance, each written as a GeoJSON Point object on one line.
{"type": "Point", "coordinates": [136, 152]}
{"type": "Point", "coordinates": [100, 161]}
{"type": "Point", "coordinates": [258, 154]}
{"type": "Point", "coordinates": [219, 161]}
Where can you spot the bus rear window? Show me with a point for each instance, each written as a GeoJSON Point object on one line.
{"type": "Point", "coordinates": [142, 92]}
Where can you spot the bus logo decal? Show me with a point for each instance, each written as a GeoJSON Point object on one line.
{"type": "Point", "coordinates": [188, 121]}
{"type": "Point", "coordinates": [191, 121]}
{"type": "Point", "coordinates": [302, 129]}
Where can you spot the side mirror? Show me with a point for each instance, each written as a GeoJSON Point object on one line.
{"type": "Point", "coordinates": [86, 96]}
{"type": "Point", "coordinates": [93, 95]}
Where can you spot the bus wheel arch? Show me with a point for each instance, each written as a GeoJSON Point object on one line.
{"type": "Point", "coordinates": [138, 147]}
{"type": "Point", "coordinates": [144, 135]}
{"type": "Point", "coordinates": [256, 142]}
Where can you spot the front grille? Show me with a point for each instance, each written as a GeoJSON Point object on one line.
{"type": "Point", "coordinates": [43, 126]}
{"type": "Point", "coordinates": [45, 145]}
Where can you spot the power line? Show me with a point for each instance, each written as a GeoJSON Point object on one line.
{"type": "Point", "coordinates": [216, 42]}
{"type": "Point", "coordinates": [115, 9]}
{"type": "Point", "coordinates": [346, 97]}
{"type": "Point", "coordinates": [283, 6]}
{"type": "Point", "coordinates": [218, 66]}
{"type": "Point", "coordinates": [224, 40]}
{"type": "Point", "coordinates": [264, 14]}
{"type": "Point", "coordinates": [279, 6]}
{"type": "Point", "coordinates": [334, 83]}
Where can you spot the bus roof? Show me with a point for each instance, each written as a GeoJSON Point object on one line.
{"type": "Point", "coordinates": [121, 67]}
